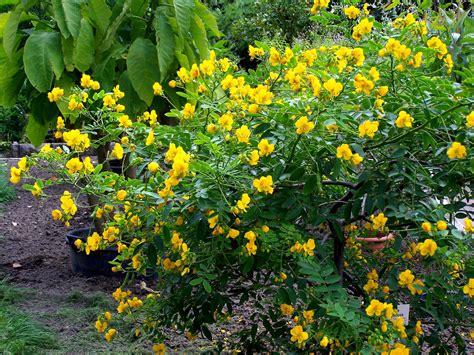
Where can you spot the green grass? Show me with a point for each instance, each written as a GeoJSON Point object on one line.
{"type": "Point", "coordinates": [19, 333]}
{"type": "Point", "coordinates": [7, 192]}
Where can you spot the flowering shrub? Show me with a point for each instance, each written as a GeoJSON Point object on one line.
{"type": "Point", "coordinates": [267, 189]}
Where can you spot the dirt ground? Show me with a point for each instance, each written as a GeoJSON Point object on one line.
{"type": "Point", "coordinates": [34, 256]}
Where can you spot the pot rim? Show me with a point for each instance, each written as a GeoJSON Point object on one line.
{"type": "Point", "coordinates": [385, 238]}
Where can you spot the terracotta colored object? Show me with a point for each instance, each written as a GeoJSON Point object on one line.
{"type": "Point", "coordinates": [375, 243]}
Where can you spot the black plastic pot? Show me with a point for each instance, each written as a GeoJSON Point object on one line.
{"type": "Point", "coordinates": [96, 263]}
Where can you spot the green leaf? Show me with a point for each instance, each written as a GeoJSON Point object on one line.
{"type": "Point", "coordinates": [195, 282]}
{"type": "Point", "coordinates": [67, 46]}
{"type": "Point", "coordinates": [207, 286]}
{"type": "Point", "coordinates": [84, 51]}
{"type": "Point", "coordinates": [42, 114]}
{"type": "Point", "coordinates": [67, 14]}
{"type": "Point", "coordinates": [99, 13]}
{"type": "Point", "coordinates": [42, 56]}
{"type": "Point", "coordinates": [183, 10]}
{"type": "Point", "coordinates": [10, 31]}
{"type": "Point", "coordinates": [200, 37]}
{"type": "Point", "coordinates": [132, 102]}
{"type": "Point", "coordinates": [165, 45]}
{"type": "Point", "coordinates": [207, 17]}
{"type": "Point", "coordinates": [142, 66]}
{"type": "Point", "coordinates": [11, 78]}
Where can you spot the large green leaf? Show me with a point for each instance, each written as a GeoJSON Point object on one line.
{"type": "Point", "coordinates": [198, 30]}
{"type": "Point", "coordinates": [184, 10]}
{"type": "Point", "coordinates": [84, 50]}
{"type": "Point", "coordinates": [142, 66]}
{"type": "Point", "coordinates": [67, 14]}
{"type": "Point", "coordinates": [67, 46]}
{"type": "Point", "coordinates": [42, 113]}
{"type": "Point", "coordinates": [132, 102]}
{"type": "Point", "coordinates": [164, 44]}
{"type": "Point", "coordinates": [11, 79]}
{"type": "Point", "coordinates": [100, 13]}
{"type": "Point", "coordinates": [207, 17]}
{"type": "Point", "coordinates": [10, 31]}
{"type": "Point", "coordinates": [42, 57]}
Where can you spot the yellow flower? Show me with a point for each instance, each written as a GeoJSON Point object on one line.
{"type": "Point", "coordinates": [125, 121]}
{"type": "Point", "coordinates": [416, 61]}
{"type": "Point", "coordinates": [243, 134]}
{"type": "Point", "coordinates": [428, 247]}
{"type": "Point", "coordinates": [121, 194]}
{"type": "Point", "coordinates": [356, 159]}
{"type": "Point", "coordinates": [352, 12]}
{"type": "Point", "coordinates": [74, 165]}
{"type": "Point", "coordinates": [265, 148]}
{"type": "Point", "coordinates": [159, 349]}
{"type": "Point", "coordinates": [457, 151]}
{"type": "Point", "coordinates": [470, 120]}
{"type": "Point", "coordinates": [255, 52]}
{"type": "Point", "coordinates": [468, 226]}
{"type": "Point", "coordinates": [318, 5]}
{"type": "Point", "coordinates": [308, 315]}
{"type": "Point", "coordinates": [233, 233]}
{"type": "Point", "coordinates": [55, 94]}
{"type": "Point", "coordinates": [264, 184]}
{"type": "Point", "coordinates": [364, 27]}
{"type": "Point", "coordinates": [324, 342]}
{"type": "Point", "coordinates": [426, 226]}
{"type": "Point", "coordinates": [378, 223]}
{"type": "Point", "coordinates": [109, 101]}
{"type": "Point", "coordinates": [110, 334]}
{"type": "Point", "coordinates": [274, 57]}
{"type": "Point", "coordinates": [67, 203]}
{"type": "Point", "coordinates": [371, 286]}
{"type": "Point", "coordinates": [344, 152]}
{"type": "Point", "coordinates": [298, 334]}
{"type": "Point", "coordinates": [368, 128]}
{"type": "Point", "coordinates": [265, 229]}
{"type": "Point", "coordinates": [441, 225]}
{"type": "Point", "coordinates": [243, 203]}
{"type": "Point", "coordinates": [100, 325]}
{"type": "Point", "coordinates": [153, 167]}
{"type": "Point", "coordinates": [304, 126]}
{"type": "Point", "coordinates": [308, 247]}
{"type": "Point", "coordinates": [76, 140]}
{"type": "Point", "coordinates": [226, 121]}
{"type": "Point", "coordinates": [468, 289]}
{"type": "Point", "coordinates": [286, 309]}
{"type": "Point", "coordinates": [404, 120]}
{"type": "Point", "coordinates": [375, 308]}
{"type": "Point", "coordinates": [416, 290]}
{"type": "Point", "coordinates": [117, 152]}
{"type": "Point", "coordinates": [405, 278]}
{"type": "Point", "coordinates": [150, 138]}
{"type": "Point", "coordinates": [183, 75]}
{"type": "Point", "coordinates": [362, 84]}
{"type": "Point", "coordinates": [60, 123]}
{"type": "Point", "coordinates": [438, 45]}
{"type": "Point", "coordinates": [56, 214]}
{"type": "Point", "coordinates": [253, 158]}
{"type": "Point", "coordinates": [117, 93]}
{"type": "Point", "coordinates": [333, 87]}
{"type": "Point", "coordinates": [15, 175]}
{"type": "Point", "coordinates": [188, 111]}
{"type": "Point", "coordinates": [374, 73]}
{"type": "Point", "coordinates": [194, 72]}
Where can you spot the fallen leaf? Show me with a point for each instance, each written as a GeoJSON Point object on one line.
{"type": "Point", "coordinates": [14, 224]}
{"type": "Point", "coordinates": [16, 265]}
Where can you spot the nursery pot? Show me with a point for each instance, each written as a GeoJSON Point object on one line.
{"type": "Point", "coordinates": [375, 243]}
{"type": "Point", "coordinates": [96, 263]}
